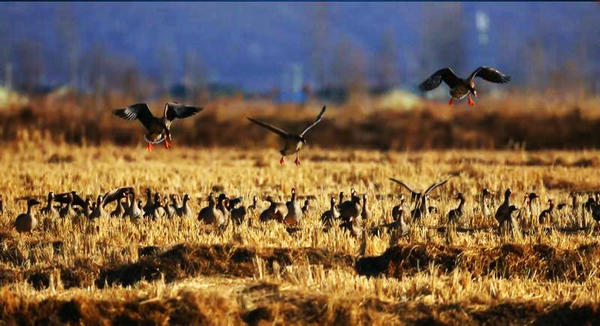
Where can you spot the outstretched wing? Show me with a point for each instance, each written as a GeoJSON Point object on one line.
{"type": "Point", "coordinates": [116, 194]}
{"type": "Point", "coordinates": [490, 74]}
{"type": "Point", "coordinates": [317, 120]}
{"type": "Point", "coordinates": [445, 74]}
{"type": "Point", "coordinates": [404, 185]}
{"type": "Point", "coordinates": [280, 132]}
{"type": "Point", "coordinates": [435, 185]}
{"type": "Point", "coordinates": [138, 111]}
{"type": "Point", "coordinates": [180, 111]}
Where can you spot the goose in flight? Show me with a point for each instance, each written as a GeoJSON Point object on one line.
{"type": "Point", "coordinates": [292, 143]}
{"type": "Point", "coordinates": [158, 129]}
{"type": "Point", "coordinates": [459, 87]}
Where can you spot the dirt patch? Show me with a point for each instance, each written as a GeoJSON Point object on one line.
{"type": "Point", "coordinates": [507, 261]}
{"type": "Point", "coordinates": [184, 261]}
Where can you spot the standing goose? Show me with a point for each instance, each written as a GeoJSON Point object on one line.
{"type": "Point", "coordinates": [158, 129]}
{"type": "Point", "coordinates": [149, 206]}
{"type": "Point", "coordinates": [483, 202]}
{"type": "Point", "coordinates": [26, 222]}
{"type": "Point", "coordinates": [97, 210]}
{"type": "Point", "coordinates": [420, 198]}
{"type": "Point", "coordinates": [503, 212]}
{"type": "Point", "coordinates": [238, 211]}
{"type": "Point", "coordinates": [66, 209]}
{"type": "Point", "coordinates": [49, 209]}
{"type": "Point", "coordinates": [118, 211]}
{"type": "Point", "coordinates": [294, 215]}
{"type": "Point", "coordinates": [398, 210]}
{"type": "Point", "coordinates": [366, 212]}
{"type": "Point", "coordinates": [455, 214]}
{"type": "Point", "coordinates": [276, 211]}
{"type": "Point", "coordinates": [292, 143]}
{"type": "Point", "coordinates": [459, 87]}
{"type": "Point", "coordinates": [350, 209]}
{"type": "Point", "coordinates": [546, 215]}
{"type": "Point", "coordinates": [184, 210]}
{"type": "Point", "coordinates": [211, 214]}
{"type": "Point", "coordinates": [329, 217]}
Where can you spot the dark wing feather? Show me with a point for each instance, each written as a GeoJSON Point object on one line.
{"type": "Point", "coordinates": [317, 120]}
{"type": "Point", "coordinates": [62, 198]}
{"type": "Point", "coordinates": [116, 194]}
{"type": "Point", "coordinates": [435, 185]}
{"type": "Point", "coordinates": [180, 111]}
{"type": "Point", "coordinates": [138, 111]}
{"type": "Point", "coordinates": [404, 185]}
{"type": "Point", "coordinates": [444, 74]}
{"type": "Point", "coordinates": [280, 132]}
{"type": "Point", "coordinates": [78, 201]}
{"type": "Point", "coordinates": [490, 74]}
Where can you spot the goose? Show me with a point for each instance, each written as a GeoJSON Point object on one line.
{"type": "Point", "coordinates": [546, 215]}
{"type": "Point", "coordinates": [399, 224]}
{"type": "Point", "coordinates": [49, 209]}
{"type": "Point", "coordinates": [66, 209]}
{"type": "Point", "coordinates": [73, 198]}
{"type": "Point", "coordinates": [158, 129]}
{"type": "Point", "coordinates": [184, 209]}
{"type": "Point", "coordinates": [292, 143]}
{"type": "Point", "coordinates": [211, 214]}
{"type": "Point", "coordinates": [133, 209]}
{"type": "Point", "coordinates": [26, 222]}
{"type": "Point", "coordinates": [455, 214]}
{"type": "Point", "coordinates": [352, 226]}
{"type": "Point", "coordinates": [459, 87]}
{"type": "Point", "coordinates": [419, 197]}
{"type": "Point", "coordinates": [158, 210]}
{"type": "Point", "coordinates": [365, 214]}
{"type": "Point", "coordinates": [97, 209]}
{"type": "Point", "coordinates": [350, 209]}
{"type": "Point", "coordinates": [503, 212]}
{"type": "Point", "coordinates": [306, 206]}
{"type": "Point", "coordinates": [483, 202]}
{"type": "Point", "coordinates": [252, 207]}
{"type": "Point", "coordinates": [118, 211]}
{"type": "Point", "coordinates": [328, 217]}
{"type": "Point", "coordinates": [398, 210]}
{"type": "Point", "coordinates": [172, 207]}
{"type": "Point", "coordinates": [223, 205]}
{"type": "Point", "coordinates": [276, 211]}
{"type": "Point", "coordinates": [149, 207]}
{"type": "Point", "coordinates": [238, 211]}
{"type": "Point", "coordinates": [294, 215]}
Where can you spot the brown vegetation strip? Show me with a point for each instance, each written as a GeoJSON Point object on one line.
{"type": "Point", "coordinates": [385, 130]}
{"type": "Point", "coordinates": [509, 260]}
{"type": "Point", "coordinates": [289, 307]}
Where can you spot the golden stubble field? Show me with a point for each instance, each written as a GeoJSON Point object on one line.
{"type": "Point", "coordinates": [182, 272]}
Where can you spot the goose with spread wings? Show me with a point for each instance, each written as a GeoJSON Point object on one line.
{"type": "Point", "coordinates": [459, 87]}
{"type": "Point", "coordinates": [420, 198]}
{"type": "Point", "coordinates": [158, 129]}
{"type": "Point", "coordinates": [292, 143]}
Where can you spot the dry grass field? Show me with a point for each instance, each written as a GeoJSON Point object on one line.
{"type": "Point", "coordinates": [179, 271]}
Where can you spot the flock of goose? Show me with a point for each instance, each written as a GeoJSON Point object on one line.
{"type": "Point", "coordinates": [347, 214]}
{"type": "Point", "coordinates": [222, 210]}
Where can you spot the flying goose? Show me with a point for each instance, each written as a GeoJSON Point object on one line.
{"type": "Point", "coordinates": [292, 143]}
{"type": "Point", "coordinates": [158, 129]}
{"type": "Point", "coordinates": [26, 222]}
{"type": "Point", "coordinates": [459, 87]}
{"type": "Point", "coordinates": [420, 198]}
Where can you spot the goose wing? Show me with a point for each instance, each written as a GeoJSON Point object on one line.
{"type": "Point", "coordinates": [180, 111]}
{"type": "Point", "coordinates": [282, 133]}
{"type": "Point", "coordinates": [317, 120]}
{"type": "Point", "coordinates": [490, 74]}
{"type": "Point", "coordinates": [116, 194]}
{"type": "Point", "coordinates": [404, 185]}
{"type": "Point", "coordinates": [445, 74]}
{"type": "Point", "coordinates": [139, 111]}
{"type": "Point", "coordinates": [435, 185]}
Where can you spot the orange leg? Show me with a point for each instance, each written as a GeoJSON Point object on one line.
{"type": "Point", "coordinates": [471, 103]}
{"type": "Point", "coordinates": [281, 161]}
{"type": "Point", "coordinates": [297, 161]}
{"type": "Point", "coordinates": [149, 147]}
{"type": "Point", "coordinates": [451, 102]}
{"type": "Point", "coordinates": [167, 144]}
